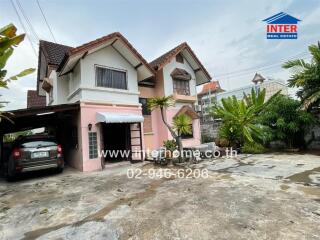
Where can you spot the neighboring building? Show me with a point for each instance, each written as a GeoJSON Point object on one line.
{"type": "Point", "coordinates": [209, 126]}
{"type": "Point", "coordinates": [206, 97]}
{"type": "Point", "coordinates": [35, 100]}
{"type": "Point", "coordinates": [112, 82]}
{"type": "Point", "coordinates": [272, 86]}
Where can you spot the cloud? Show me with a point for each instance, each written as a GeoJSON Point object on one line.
{"type": "Point", "coordinates": [227, 36]}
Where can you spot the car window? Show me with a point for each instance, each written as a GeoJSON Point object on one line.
{"type": "Point", "coordinates": [40, 143]}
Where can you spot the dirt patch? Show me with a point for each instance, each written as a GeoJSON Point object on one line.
{"type": "Point", "coordinates": [313, 191]}
{"type": "Point", "coordinates": [284, 187]}
{"type": "Point", "coordinates": [304, 177]}
{"type": "Point", "coordinates": [99, 216]}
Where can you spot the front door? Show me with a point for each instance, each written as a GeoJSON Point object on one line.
{"type": "Point", "coordinates": [116, 138]}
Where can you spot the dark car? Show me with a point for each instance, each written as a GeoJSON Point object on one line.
{"type": "Point", "coordinates": [32, 153]}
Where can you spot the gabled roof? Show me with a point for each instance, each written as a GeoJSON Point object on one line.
{"type": "Point", "coordinates": [258, 78]}
{"type": "Point", "coordinates": [54, 52]}
{"type": "Point", "coordinates": [116, 40]}
{"type": "Point", "coordinates": [34, 100]}
{"type": "Point", "coordinates": [187, 52]}
{"type": "Point", "coordinates": [186, 109]}
{"type": "Point", "coordinates": [213, 86]}
{"type": "Point", "coordinates": [282, 18]}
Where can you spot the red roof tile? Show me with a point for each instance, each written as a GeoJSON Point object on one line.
{"type": "Point", "coordinates": [85, 47]}
{"type": "Point", "coordinates": [34, 100]}
{"type": "Point", "coordinates": [161, 61]}
{"type": "Point", "coordinates": [212, 86]}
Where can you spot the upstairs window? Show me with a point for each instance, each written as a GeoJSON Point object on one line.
{"type": "Point", "coordinates": [111, 78]}
{"type": "Point", "coordinates": [181, 87]}
{"type": "Point", "coordinates": [145, 109]}
{"type": "Point", "coordinates": [179, 58]}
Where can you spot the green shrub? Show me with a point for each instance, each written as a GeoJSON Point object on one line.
{"type": "Point", "coordinates": [170, 145]}
{"type": "Point", "coordinates": [222, 142]}
{"type": "Point", "coordinates": [254, 148]}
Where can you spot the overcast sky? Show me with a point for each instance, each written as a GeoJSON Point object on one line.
{"type": "Point", "coordinates": [228, 36]}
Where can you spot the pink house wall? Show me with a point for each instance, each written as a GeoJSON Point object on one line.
{"type": "Point", "coordinates": [160, 132]}
{"type": "Point", "coordinates": [88, 115]}
{"type": "Point", "coordinates": [196, 140]}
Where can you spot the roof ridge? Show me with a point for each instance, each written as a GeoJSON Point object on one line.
{"type": "Point", "coordinates": [86, 46]}
{"type": "Point", "coordinates": [154, 64]}
{"type": "Point", "coordinates": [41, 41]}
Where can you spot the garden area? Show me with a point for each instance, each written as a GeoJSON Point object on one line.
{"type": "Point", "coordinates": [255, 124]}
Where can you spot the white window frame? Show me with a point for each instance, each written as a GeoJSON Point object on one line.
{"type": "Point", "coordinates": [110, 68]}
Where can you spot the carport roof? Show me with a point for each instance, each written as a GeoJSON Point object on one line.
{"type": "Point", "coordinates": [41, 110]}
{"type": "Point", "coordinates": [34, 117]}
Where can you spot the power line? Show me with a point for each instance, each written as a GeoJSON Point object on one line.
{"type": "Point", "coordinates": [24, 28]}
{"type": "Point", "coordinates": [27, 20]}
{"type": "Point", "coordinates": [261, 67]}
{"type": "Point", "coordinates": [266, 68]}
{"type": "Point", "coordinates": [47, 23]}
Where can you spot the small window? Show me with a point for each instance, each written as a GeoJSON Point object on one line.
{"type": "Point", "coordinates": [145, 109]}
{"type": "Point", "coordinates": [179, 58]}
{"type": "Point", "coordinates": [181, 87]}
{"type": "Point", "coordinates": [189, 135]}
{"type": "Point", "coordinates": [111, 78]}
{"type": "Point", "coordinates": [93, 145]}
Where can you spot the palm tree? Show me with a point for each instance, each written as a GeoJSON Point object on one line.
{"type": "Point", "coordinates": [306, 76]}
{"type": "Point", "coordinates": [240, 118]}
{"type": "Point", "coordinates": [181, 123]}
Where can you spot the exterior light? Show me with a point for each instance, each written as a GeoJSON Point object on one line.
{"type": "Point", "coordinates": [89, 126]}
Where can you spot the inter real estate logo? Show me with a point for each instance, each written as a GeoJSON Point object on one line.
{"type": "Point", "coordinates": [282, 26]}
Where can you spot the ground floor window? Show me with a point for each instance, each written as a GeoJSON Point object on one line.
{"type": "Point", "coordinates": [145, 109]}
{"type": "Point", "coordinates": [189, 135]}
{"type": "Point", "coordinates": [93, 145]}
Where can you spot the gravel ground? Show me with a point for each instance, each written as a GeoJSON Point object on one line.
{"type": "Point", "coordinates": [268, 196]}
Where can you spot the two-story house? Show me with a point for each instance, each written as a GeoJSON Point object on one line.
{"type": "Point", "coordinates": [112, 83]}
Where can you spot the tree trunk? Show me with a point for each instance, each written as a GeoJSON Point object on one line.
{"type": "Point", "coordinates": [175, 136]}
{"type": "Point", "coordinates": [180, 147]}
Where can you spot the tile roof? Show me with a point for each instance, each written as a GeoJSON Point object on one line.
{"type": "Point", "coordinates": [99, 41]}
{"type": "Point", "coordinates": [34, 100]}
{"type": "Point", "coordinates": [179, 73]}
{"type": "Point", "coordinates": [161, 61]}
{"type": "Point", "coordinates": [166, 57]}
{"type": "Point", "coordinates": [212, 86]}
{"type": "Point", "coordinates": [54, 52]}
{"type": "Point", "coordinates": [186, 109]}
{"type": "Point", "coordinates": [258, 78]}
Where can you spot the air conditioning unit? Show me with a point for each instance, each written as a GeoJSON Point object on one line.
{"type": "Point", "coordinates": [197, 108]}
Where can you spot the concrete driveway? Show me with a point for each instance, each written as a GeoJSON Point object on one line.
{"type": "Point", "coordinates": [269, 196]}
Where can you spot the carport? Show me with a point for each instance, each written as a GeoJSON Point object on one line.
{"type": "Point", "coordinates": [61, 120]}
